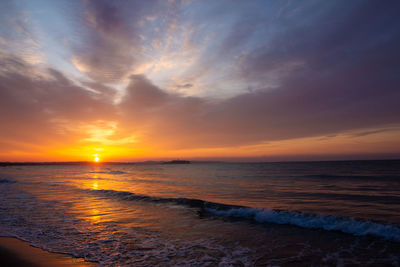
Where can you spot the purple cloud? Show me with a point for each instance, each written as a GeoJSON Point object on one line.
{"type": "Point", "coordinates": [306, 70]}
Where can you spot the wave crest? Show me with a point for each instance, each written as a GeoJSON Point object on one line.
{"type": "Point", "coordinates": [306, 220]}
{"type": "Point", "coordinates": [314, 221]}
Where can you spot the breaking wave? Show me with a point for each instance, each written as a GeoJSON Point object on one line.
{"type": "Point", "coordinates": [314, 221]}
{"type": "Point", "coordinates": [306, 220]}
{"type": "Point", "coordinates": [355, 177]}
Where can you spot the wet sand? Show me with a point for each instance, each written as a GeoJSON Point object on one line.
{"type": "Point", "coordinates": [14, 252]}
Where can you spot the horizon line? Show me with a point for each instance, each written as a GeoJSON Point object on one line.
{"type": "Point", "coordinates": [5, 163]}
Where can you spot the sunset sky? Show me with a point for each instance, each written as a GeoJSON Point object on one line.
{"type": "Point", "coordinates": [235, 80]}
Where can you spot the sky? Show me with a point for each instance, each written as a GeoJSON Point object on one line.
{"type": "Point", "coordinates": [208, 80]}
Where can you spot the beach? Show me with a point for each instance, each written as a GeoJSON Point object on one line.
{"type": "Point", "coordinates": [15, 253]}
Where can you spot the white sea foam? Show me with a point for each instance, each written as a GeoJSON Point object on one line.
{"type": "Point", "coordinates": [314, 221]}
{"type": "Point", "coordinates": [106, 243]}
{"type": "Point", "coordinates": [306, 220]}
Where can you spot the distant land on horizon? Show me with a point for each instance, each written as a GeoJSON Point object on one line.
{"type": "Point", "coordinates": [31, 163]}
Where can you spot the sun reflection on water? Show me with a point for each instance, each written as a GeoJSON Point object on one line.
{"type": "Point", "coordinates": [95, 185]}
{"type": "Point", "coordinates": [94, 215]}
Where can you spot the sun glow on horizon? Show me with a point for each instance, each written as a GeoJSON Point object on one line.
{"type": "Point", "coordinates": [96, 158]}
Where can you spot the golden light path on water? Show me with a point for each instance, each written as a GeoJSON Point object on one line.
{"type": "Point", "coordinates": [105, 185]}
{"type": "Point", "coordinates": [129, 209]}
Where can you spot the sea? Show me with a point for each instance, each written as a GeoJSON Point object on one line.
{"type": "Point", "coordinates": [342, 213]}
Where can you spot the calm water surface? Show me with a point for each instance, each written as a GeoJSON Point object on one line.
{"type": "Point", "coordinates": [208, 214]}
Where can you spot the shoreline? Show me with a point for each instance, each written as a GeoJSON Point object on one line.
{"type": "Point", "coordinates": [15, 252]}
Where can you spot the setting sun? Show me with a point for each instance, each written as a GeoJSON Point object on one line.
{"type": "Point", "coordinates": [175, 133]}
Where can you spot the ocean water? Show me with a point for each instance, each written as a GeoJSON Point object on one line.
{"type": "Point", "coordinates": [208, 214]}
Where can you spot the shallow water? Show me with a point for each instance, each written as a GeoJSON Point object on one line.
{"type": "Point", "coordinates": [208, 214]}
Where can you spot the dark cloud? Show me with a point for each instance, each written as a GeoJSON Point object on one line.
{"type": "Point", "coordinates": [112, 38]}
{"type": "Point", "coordinates": [365, 133]}
{"type": "Point", "coordinates": [346, 78]}
{"type": "Point", "coordinates": [335, 38]}
{"type": "Point", "coordinates": [145, 105]}
{"type": "Point", "coordinates": [32, 106]}
{"type": "Point", "coordinates": [142, 95]}
{"type": "Point", "coordinates": [301, 108]}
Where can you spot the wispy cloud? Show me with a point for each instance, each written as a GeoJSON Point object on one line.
{"type": "Point", "coordinates": [199, 75]}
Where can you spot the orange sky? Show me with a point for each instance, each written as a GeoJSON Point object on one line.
{"type": "Point", "coordinates": [344, 146]}
{"type": "Point", "coordinates": [135, 81]}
